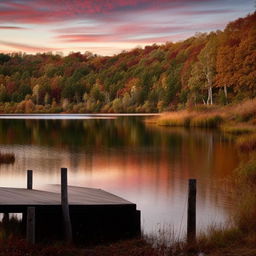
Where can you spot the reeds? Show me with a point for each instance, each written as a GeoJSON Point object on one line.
{"type": "Point", "coordinates": [190, 119]}
{"type": "Point", "coordinates": [213, 117]}
{"type": "Point", "coordinates": [238, 129]}
{"type": "Point", "coordinates": [217, 237]}
{"type": "Point", "coordinates": [181, 118]}
{"type": "Point", "coordinates": [206, 121]}
{"type": "Point", "coordinates": [247, 143]}
{"type": "Point", "coordinates": [245, 111]}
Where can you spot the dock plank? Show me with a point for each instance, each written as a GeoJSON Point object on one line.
{"type": "Point", "coordinates": [77, 196]}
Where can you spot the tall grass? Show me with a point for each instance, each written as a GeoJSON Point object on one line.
{"type": "Point", "coordinates": [247, 143]}
{"type": "Point", "coordinates": [181, 118]}
{"type": "Point", "coordinates": [206, 121]}
{"type": "Point", "coordinates": [190, 119]}
{"type": "Point", "coordinates": [238, 128]}
{"type": "Point", "coordinates": [218, 238]}
{"type": "Point", "coordinates": [244, 111]}
{"type": "Point", "coordinates": [214, 117]}
{"type": "Point", "coordinates": [245, 214]}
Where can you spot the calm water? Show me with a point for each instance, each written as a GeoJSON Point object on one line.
{"type": "Point", "coordinates": [145, 164]}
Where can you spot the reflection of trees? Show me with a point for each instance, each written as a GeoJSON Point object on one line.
{"type": "Point", "coordinates": [88, 134]}
{"type": "Point", "coordinates": [126, 153]}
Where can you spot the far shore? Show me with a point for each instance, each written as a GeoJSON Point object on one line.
{"type": "Point", "coordinates": [74, 115]}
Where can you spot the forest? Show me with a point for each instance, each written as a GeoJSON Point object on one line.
{"type": "Point", "coordinates": [208, 68]}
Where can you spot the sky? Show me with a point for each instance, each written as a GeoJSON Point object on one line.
{"type": "Point", "coordinates": [107, 27]}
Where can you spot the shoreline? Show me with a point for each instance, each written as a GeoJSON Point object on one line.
{"type": "Point", "coordinates": [75, 116]}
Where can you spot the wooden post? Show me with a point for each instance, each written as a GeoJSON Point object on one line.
{"type": "Point", "coordinates": [29, 179]}
{"type": "Point", "coordinates": [65, 206]}
{"type": "Point", "coordinates": [191, 221]}
{"type": "Point", "coordinates": [30, 233]}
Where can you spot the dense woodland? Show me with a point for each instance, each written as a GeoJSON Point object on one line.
{"type": "Point", "coordinates": [214, 68]}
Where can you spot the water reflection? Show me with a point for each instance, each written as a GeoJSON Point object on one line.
{"type": "Point", "coordinates": [145, 164]}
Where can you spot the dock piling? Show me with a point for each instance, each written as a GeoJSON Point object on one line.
{"type": "Point", "coordinates": [30, 233]}
{"type": "Point", "coordinates": [191, 218]}
{"type": "Point", "coordinates": [65, 206]}
{"type": "Point", "coordinates": [29, 179]}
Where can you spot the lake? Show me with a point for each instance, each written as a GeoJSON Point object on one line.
{"type": "Point", "coordinates": [143, 163]}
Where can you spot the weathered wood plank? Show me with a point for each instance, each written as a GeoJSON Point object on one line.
{"type": "Point", "coordinates": [77, 196]}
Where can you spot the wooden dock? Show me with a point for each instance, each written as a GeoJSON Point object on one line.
{"type": "Point", "coordinates": [19, 197]}
{"type": "Point", "coordinates": [95, 214]}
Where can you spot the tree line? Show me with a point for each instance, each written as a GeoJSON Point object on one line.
{"type": "Point", "coordinates": [208, 68]}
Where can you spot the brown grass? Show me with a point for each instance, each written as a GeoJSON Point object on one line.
{"type": "Point", "coordinates": [19, 247]}
{"type": "Point", "coordinates": [238, 128]}
{"type": "Point", "coordinates": [181, 118]}
{"type": "Point", "coordinates": [245, 111]}
{"type": "Point", "coordinates": [234, 119]}
{"type": "Point", "coordinates": [247, 143]}
{"type": "Point", "coordinates": [187, 118]}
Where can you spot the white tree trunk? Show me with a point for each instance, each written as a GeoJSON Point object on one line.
{"type": "Point", "coordinates": [209, 84]}
{"type": "Point", "coordinates": [209, 99]}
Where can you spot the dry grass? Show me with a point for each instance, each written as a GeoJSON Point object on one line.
{"type": "Point", "coordinates": [238, 128]}
{"type": "Point", "coordinates": [245, 111]}
{"type": "Point", "coordinates": [245, 199]}
{"type": "Point", "coordinates": [234, 119]}
{"type": "Point", "coordinates": [211, 120]}
{"type": "Point", "coordinates": [190, 119]}
{"type": "Point", "coordinates": [181, 118]}
{"type": "Point", "coordinates": [247, 143]}
{"type": "Point", "coordinates": [19, 247]}
{"type": "Point", "coordinates": [217, 238]}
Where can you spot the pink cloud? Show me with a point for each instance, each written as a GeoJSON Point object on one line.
{"type": "Point", "coordinates": [80, 38]}
{"type": "Point", "coordinates": [75, 38]}
{"type": "Point", "coordinates": [132, 21]}
{"type": "Point", "coordinates": [11, 27]}
{"type": "Point", "coordinates": [46, 11]}
{"type": "Point", "coordinates": [27, 48]}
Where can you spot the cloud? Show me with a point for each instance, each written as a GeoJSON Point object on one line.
{"type": "Point", "coordinates": [136, 33]}
{"type": "Point", "coordinates": [11, 27]}
{"type": "Point", "coordinates": [27, 48]}
{"type": "Point", "coordinates": [74, 38]}
{"type": "Point", "coordinates": [47, 11]}
{"type": "Point", "coordinates": [207, 12]}
{"type": "Point", "coordinates": [76, 23]}
{"type": "Point", "coordinates": [91, 38]}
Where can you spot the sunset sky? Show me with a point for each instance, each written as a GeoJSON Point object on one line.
{"type": "Point", "coordinates": [107, 27]}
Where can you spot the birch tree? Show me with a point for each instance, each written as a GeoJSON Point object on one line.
{"type": "Point", "coordinates": [207, 59]}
